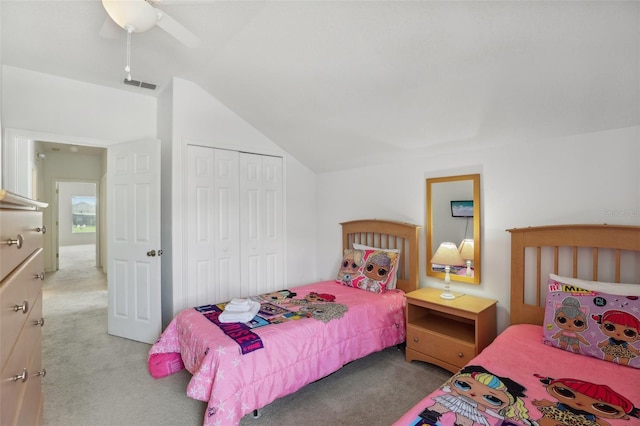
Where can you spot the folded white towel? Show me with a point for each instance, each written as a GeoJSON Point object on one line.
{"type": "Point", "coordinates": [229, 316]}
{"type": "Point", "coordinates": [238, 305]}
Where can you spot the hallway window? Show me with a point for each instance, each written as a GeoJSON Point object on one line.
{"type": "Point", "coordinates": [83, 210]}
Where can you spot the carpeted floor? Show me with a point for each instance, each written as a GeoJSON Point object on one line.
{"type": "Point", "coordinates": [97, 379]}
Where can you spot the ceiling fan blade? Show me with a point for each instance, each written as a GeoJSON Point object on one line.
{"type": "Point", "coordinates": [177, 30]}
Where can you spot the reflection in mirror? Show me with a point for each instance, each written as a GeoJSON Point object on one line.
{"type": "Point", "coordinates": [453, 215]}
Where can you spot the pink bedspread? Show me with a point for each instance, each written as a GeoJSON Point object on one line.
{"type": "Point", "coordinates": [531, 383]}
{"type": "Point", "coordinates": [295, 353]}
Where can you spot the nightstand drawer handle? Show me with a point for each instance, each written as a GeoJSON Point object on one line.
{"type": "Point", "coordinates": [460, 354]}
{"type": "Point", "coordinates": [415, 339]}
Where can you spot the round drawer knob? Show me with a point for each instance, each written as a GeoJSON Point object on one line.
{"type": "Point", "coordinates": [42, 372]}
{"type": "Point", "coordinates": [18, 241]}
{"type": "Point", "coordinates": [43, 229]}
{"type": "Point", "coordinates": [39, 276]}
{"type": "Point", "coordinates": [39, 322]}
{"type": "Point", "coordinates": [460, 354]}
{"type": "Point", "coordinates": [415, 339]}
{"type": "Point", "coordinates": [24, 307]}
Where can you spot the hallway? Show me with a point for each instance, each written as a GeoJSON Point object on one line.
{"type": "Point", "coordinates": [77, 285]}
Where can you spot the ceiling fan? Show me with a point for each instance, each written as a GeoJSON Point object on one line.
{"type": "Point", "coordinates": [140, 15]}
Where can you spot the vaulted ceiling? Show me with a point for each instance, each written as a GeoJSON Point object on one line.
{"type": "Point", "coordinates": [339, 84]}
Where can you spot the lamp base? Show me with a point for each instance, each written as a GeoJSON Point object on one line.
{"type": "Point", "coordinates": [447, 295]}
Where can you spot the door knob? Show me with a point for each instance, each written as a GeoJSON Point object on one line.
{"type": "Point", "coordinates": [151, 253]}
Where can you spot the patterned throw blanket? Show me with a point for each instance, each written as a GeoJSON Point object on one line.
{"type": "Point", "coordinates": [275, 308]}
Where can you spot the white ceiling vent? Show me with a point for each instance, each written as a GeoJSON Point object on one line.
{"type": "Point", "coordinates": [140, 84]}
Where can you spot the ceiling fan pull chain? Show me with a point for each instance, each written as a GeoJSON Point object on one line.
{"type": "Point", "coordinates": [128, 67]}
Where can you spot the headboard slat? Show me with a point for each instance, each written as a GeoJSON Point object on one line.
{"type": "Point", "coordinates": [594, 274]}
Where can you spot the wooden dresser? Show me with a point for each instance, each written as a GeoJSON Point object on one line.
{"type": "Point", "coordinates": [21, 275]}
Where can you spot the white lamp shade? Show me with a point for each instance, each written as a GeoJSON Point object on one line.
{"type": "Point", "coordinates": [447, 254]}
{"type": "Point", "coordinates": [466, 249]}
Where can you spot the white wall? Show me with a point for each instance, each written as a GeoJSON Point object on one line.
{"type": "Point", "coordinates": [589, 178]}
{"type": "Point", "coordinates": [198, 118]}
{"type": "Point", "coordinates": [61, 106]}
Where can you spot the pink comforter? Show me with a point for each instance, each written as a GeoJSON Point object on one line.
{"type": "Point", "coordinates": [295, 353]}
{"type": "Point", "coordinates": [531, 383]}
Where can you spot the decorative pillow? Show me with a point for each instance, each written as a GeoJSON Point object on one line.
{"type": "Point", "coordinates": [597, 319]}
{"type": "Point", "coordinates": [369, 270]}
{"type": "Point", "coordinates": [394, 279]}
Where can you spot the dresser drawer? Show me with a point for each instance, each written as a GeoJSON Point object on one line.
{"type": "Point", "coordinates": [12, 391]}
{"type": "Point", "coordinates": [441, 347]}
{"type": "Point", "coordinates": [23, 230]}
{"type": "Point", "coordinates": [15, 290]}
{"type": "Point", "coordinates": [21, 400]}
{"type": "Point", "coordinates": [30, 408]}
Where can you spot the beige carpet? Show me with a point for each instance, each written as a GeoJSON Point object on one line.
{"type": "Point", "coordinates": [97, 379]}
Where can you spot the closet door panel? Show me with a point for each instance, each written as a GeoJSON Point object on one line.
{"type": "Point", "coordinates": [211, 226]}
{"type": "Point", "coordinates": [261, 223]}
{"type": "Point", "coordinates": [273, 236]}
{"type": "Point", "coordinates": [226, 220]}
{"type": "Point", "coordinates": [199, 241]}
{"type": "Point", "coordinates": [251, 224]}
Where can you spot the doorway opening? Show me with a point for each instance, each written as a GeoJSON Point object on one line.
{"type": "Point", "coordinates": [77, 220]}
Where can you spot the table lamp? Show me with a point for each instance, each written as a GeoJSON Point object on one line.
{"type": "Point", "coordinates": [447, 255]}
{"type": "Point", "coordinates": [466, 253]}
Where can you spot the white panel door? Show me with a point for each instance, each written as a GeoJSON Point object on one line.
{"type": "Point", "coordinates": [211, 226]}
{"type": "Point", "coordinates": [133, 234]}
{"type": "Point", "coordinates": [261, 224]}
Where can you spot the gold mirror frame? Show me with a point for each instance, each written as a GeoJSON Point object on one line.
{"type": "Point", "coordinates": [437, 184]}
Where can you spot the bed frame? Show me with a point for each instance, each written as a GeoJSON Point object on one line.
{"type": "Point", "coordinates": [609, 253]}
{"type": "Point", "coordinates": [389, 235]}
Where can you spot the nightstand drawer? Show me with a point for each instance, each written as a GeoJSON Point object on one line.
{"type": "Point", "coordinates": [444, 348]}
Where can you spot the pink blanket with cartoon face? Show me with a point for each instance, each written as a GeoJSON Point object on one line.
{"type": "Point", "coordinates": [295, 352]}
{"type": "Point", "coordinates": [518, 380]}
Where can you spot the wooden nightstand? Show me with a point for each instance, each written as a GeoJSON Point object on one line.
{"type": "Point", "coordinates": [448, 333]}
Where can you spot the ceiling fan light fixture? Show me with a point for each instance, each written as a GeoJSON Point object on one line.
{"type": "Point", "coordinates": [136, 14]}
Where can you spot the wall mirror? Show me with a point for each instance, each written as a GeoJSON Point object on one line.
{"type": "Point", "coordinates": [453, 215]}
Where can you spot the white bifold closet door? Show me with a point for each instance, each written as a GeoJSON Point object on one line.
{"type": "Point", "coordinates": [234, 225]}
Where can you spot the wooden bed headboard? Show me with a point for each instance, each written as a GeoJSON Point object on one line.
{"type": "Point", "coordinates": [390, 235]}
{"type": "Point", "coordinates": [609, 253]}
